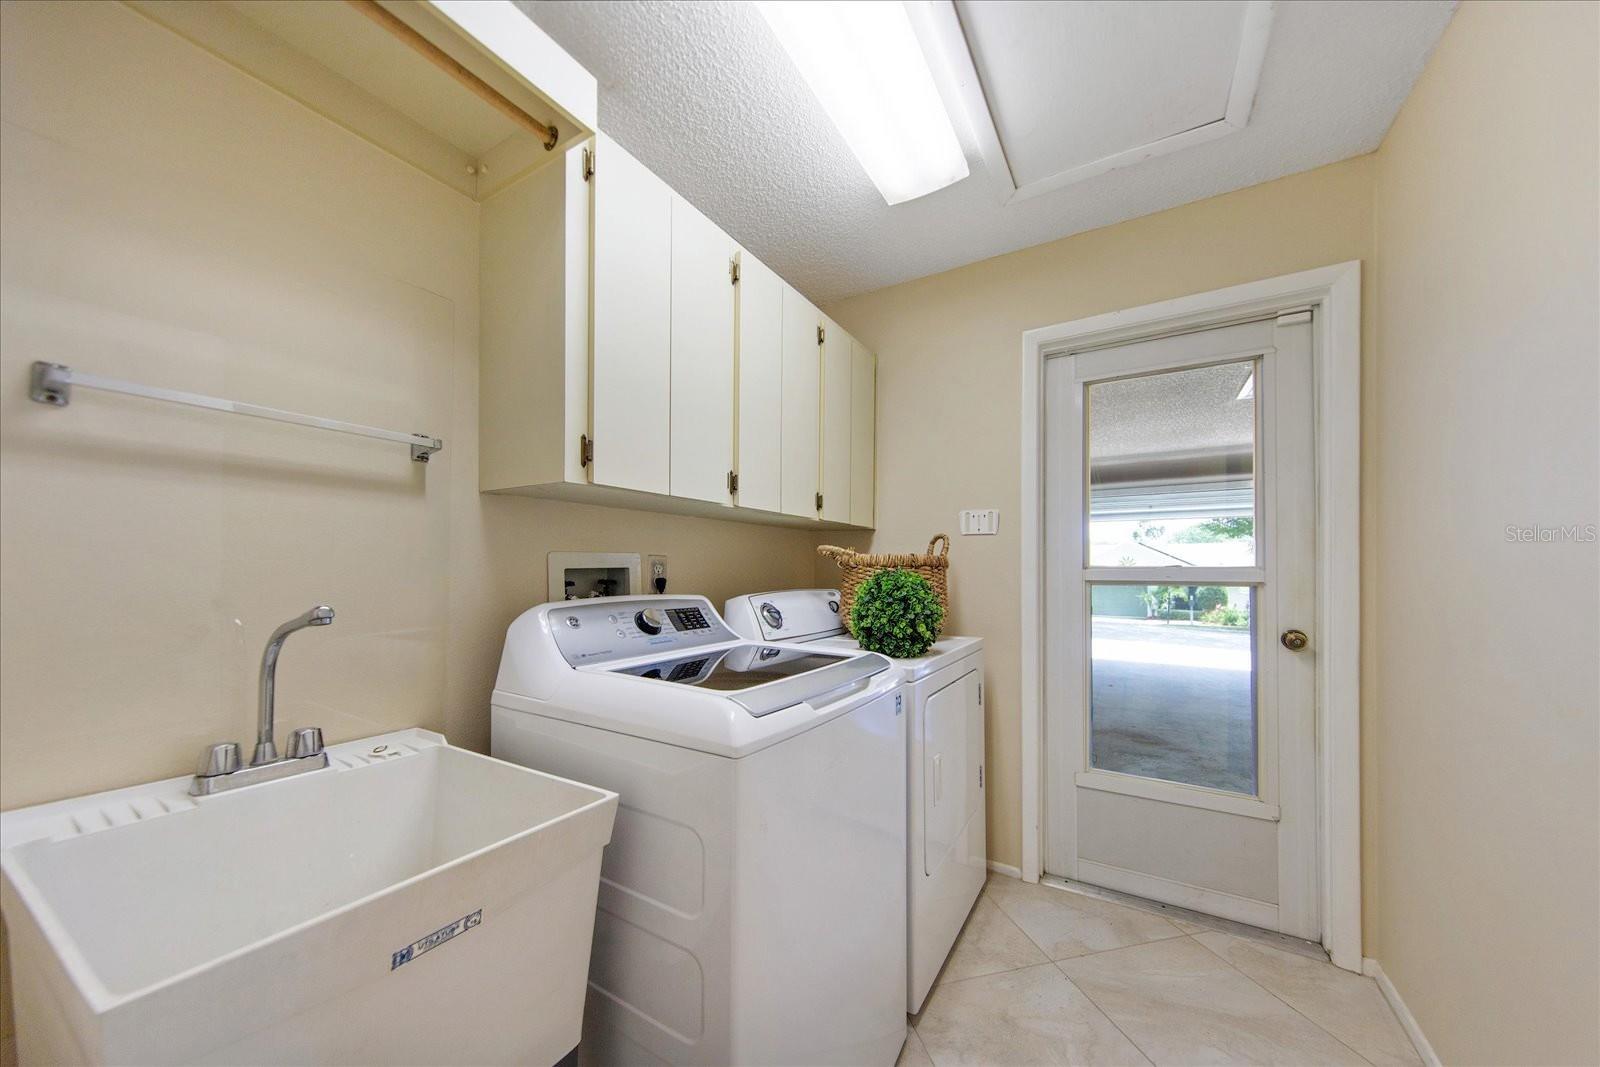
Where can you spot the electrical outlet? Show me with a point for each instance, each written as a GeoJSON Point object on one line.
{"type": "Point", "coordinates": [657, 582]}
{"type": "Point", "coordinates": [980, 522]}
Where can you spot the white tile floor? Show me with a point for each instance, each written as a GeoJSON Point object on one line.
{"type": "Point", "coordinates": [1043, 975]}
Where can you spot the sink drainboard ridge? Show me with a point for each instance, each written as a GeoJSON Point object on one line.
{"type": "Point", "coordinates": [141, 803]}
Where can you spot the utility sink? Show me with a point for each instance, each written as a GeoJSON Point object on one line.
{"type": "Point", "coordinates": [412, 903]}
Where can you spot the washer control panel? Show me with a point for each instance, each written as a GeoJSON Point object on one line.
{"type": "Point", "coordinates": [612, 628]}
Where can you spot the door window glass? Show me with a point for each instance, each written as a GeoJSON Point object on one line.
{"type": "Point", "coordinates": [1172, 468]}
{"type": "Point", "coordinates": [1172, 673]}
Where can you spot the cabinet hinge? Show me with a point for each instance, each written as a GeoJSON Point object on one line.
{"type": "Point", "coordinates": [588, 164]}
{"type": "Point", "coordinates": [980, 694]}
{"type": "Point", "coordinates": [585, 450]}
{"type": "Point", "coordinates": [733, 270]}
{"type": "Point", "coordinates": [822, 335]}
{"type": "Point", "coordinates": [980, 776]}
{"type": "Point", "coordinates": [819, 501]}
{"type": "Point", "coordinates": [733, 483]}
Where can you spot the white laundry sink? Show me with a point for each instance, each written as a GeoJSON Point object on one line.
{"type": "Point", "coordinates": [413, 903]}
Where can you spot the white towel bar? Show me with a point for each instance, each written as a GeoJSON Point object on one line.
{"type": "Point", "coordinates": [52, 384]}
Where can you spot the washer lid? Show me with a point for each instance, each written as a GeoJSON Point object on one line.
{"type": "Point", "coordinates": [763, 678]}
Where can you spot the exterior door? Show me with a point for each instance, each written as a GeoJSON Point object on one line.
{"type": "Point", "coordinates": [1180, 584]}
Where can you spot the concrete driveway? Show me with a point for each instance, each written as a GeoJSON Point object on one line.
{"type": "Point", "coordinates": [1173, 701]}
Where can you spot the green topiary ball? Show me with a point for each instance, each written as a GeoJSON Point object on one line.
{"type": "Point", "coordinates": [897, 613]}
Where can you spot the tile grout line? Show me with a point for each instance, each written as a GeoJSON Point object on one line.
{"type": "Point", "coordinates": [1096, 1004]}
{"type": "Point", "coordinates": [1050, 959]}
{"type": "Point", "coordinates": [1229, 964]}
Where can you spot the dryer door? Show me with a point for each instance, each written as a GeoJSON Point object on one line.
{"type": "Point", "coordinates": [950, 766]}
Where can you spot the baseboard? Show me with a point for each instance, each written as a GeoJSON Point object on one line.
{"type": "Point", "coordinates": [1181, 894]}
{"type": "Point", "coordinates": [1373, 969]}
{"type": "Point", "coordinates": [1005, 869]}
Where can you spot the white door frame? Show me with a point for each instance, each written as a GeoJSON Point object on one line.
{"type": "Point", "coordinates": [1334, 293]}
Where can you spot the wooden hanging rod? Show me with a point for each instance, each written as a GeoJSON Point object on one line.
{"type": "Point", "coordinates": [444, 61]}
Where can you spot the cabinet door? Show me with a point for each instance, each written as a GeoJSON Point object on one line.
{"type": "Point", "coordinates": [837, 379]}
{"type": "Point", "coordinates": [702, 356]}
{"type": "Point", "coordinates": [760, 375]}
{"type": "Point", "coordinates": [631, 374]}
{"type": "Point", "coordinates": [863, 434]}
{"type": "Point", "coordinates": [802, 403]}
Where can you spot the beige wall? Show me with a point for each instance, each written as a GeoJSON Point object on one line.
{"type": "Point", "coordinates": [200, 231]}
{"type": "Point", "coordinates": [220, 238]}
{"type": "Point", "coordinates": [1487, 724]}
{"type": "Point", "coordinates": [1477, 225]}
{"type": "Point", "coordinates": [949, 372]}
{"type": "Point", "coordinates": [169, 220]}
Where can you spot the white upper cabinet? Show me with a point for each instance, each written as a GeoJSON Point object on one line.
{"type": "Point", "coordinates": [631, 376]}
{"type": "Point", "coordinates": [702, 401]}
{"type": "Point", "coordinates": [623, 362]}
{"type": "Point", "coordinates": [863, 434]}
{"type": "Point", "coordinates": [760, 374]}
{"type": "Point", "coordinates": [802, 403]}
{"type": "Point", "coordinates": [837, 380]}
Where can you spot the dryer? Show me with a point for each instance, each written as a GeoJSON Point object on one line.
{"type": "Point", "coordinates": [751, 897]}
{"type": "Point", "coordinates": [947, 839]}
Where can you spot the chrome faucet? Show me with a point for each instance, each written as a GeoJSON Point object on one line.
{"type": "Point", "coordinates": [266, 751]}
{"type": "Point", "coordinates": [219, 764]}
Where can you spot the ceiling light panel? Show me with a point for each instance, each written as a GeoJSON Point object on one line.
{"type": "Point", "coordinates": [862, 60]}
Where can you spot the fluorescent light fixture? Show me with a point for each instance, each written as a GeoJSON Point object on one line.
{"type": "Point", "coordinates": [862, 60]}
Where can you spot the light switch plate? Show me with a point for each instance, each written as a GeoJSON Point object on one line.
{"type": "Point", "coordinates": [980, 522]}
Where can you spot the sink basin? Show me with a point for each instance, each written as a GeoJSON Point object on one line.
{"type": "Point", "coordinates": [412, 903]}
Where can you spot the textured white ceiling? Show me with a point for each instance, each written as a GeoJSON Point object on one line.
{"type": "Point", "coordinates": [704, 95]}
{"type": "Point", "coordinates": [1175, 78]}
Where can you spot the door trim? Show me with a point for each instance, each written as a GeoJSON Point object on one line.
{"type": "Point", "coordinates": [1334, 294]}
{"type": "Point", "coordinates": [1189, 796]}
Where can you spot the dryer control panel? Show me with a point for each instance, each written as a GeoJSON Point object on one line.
{"type": "Point", "coordinates": [613, 628]}
{"type": "Point", "coordinates": [790, 615]}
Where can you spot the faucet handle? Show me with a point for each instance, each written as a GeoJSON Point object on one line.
{"type": "Point", "coordinates": [218, 759]}
{"type": "Point", "coordinates": [306, 741]}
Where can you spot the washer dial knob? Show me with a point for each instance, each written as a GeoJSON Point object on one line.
{"type": "Point", "coordinates": [771, 615]}
{"type": "Point", "coordinates": [650, 621]}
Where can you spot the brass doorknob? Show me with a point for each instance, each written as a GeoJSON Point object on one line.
{"type": "Point", "coordinates": [1294, 640]}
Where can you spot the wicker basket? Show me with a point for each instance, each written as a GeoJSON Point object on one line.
{"type": "Point", "coordinates": [856, 567]}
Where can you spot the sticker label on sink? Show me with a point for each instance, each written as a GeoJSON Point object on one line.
{"type": "Point", "coordinates": [435, 939]}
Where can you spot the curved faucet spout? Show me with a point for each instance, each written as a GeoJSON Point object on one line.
{"type": "Point", "coordinates": [266, 751]}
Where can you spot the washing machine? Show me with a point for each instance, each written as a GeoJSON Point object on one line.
{"type": "Point", "coordinates": [947, 840]}
{"type": "Point", "coordinates": [751, 897]}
